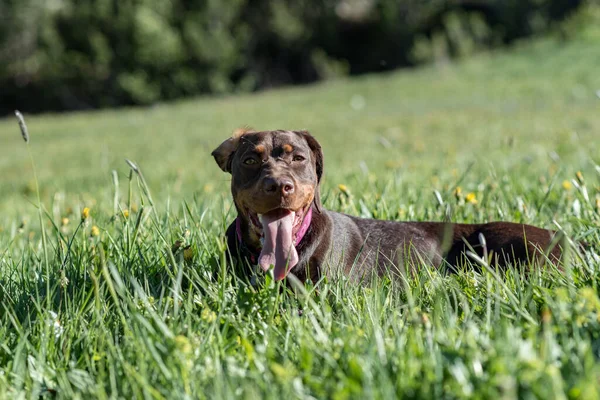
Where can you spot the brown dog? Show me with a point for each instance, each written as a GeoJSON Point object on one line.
{"type": "Point", "coordinates": [275, 188]}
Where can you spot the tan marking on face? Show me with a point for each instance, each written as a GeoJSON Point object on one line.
{"type": "Point", "coordinates": [305, 195]}
{"type": "Point", "coordinates": [288, 148]}
{"type": "Point", "coordinates": [239, 132]}
{"type": "Point", "coordinates": [260, 149]}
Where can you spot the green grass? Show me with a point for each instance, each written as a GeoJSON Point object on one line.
{"type": "Point", "coordinates": [124, 317]}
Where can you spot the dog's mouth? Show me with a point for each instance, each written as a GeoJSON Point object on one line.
{"type": "Point", "coordinates": [257, 225]}
{"type": "Point", "coordinates": [278, 229]}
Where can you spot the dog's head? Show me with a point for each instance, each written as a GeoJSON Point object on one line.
{"type": "Point", "coordinates": [275, 180]}
{"type": "Point", "coordinates": [272, 170]}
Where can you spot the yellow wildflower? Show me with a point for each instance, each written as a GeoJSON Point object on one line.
{"type": "Point", "coordinates": [425, 318]}
{"type": "Point", "coordinates": [567, 185]}
{"type": "Point", "coordinates": [188, 253]}
{"type": "Point", "coordinates": [208, 315]}
{"type": "Point", "coordinates": [95, 231]}
{"type": "Point", "coordinates": [85, 213]}
{"type": "Point", "coordinates": [546, 315]}
{"type": "Point", "coordinates": [457, 192]}
{"type": "Point", "coordinates": [126, 213]}
{"type": "Point", "coordinates": [64, 221]}
{"type": "Point", "coordinates": [471, 198]}
{"type": "Point", "coordinates": [183, 344]}
{"type": "Point", "coordinates": [393, 164]}
{"type": "Point", "coordinates": [579, 176]}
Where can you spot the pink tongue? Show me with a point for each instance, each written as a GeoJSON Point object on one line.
{"type": "Point", "coordinates": [278, 248]}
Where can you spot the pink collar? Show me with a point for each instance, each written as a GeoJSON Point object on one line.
{"type": "Point", "coordinates": [299, 235]}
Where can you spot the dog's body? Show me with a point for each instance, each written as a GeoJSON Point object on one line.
{"type": "Point", "coordinates": [280, 221]}
{"type": "Point", "coordinates": [339, 244]}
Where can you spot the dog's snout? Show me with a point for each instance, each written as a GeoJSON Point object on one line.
{"type": "Point", "coordinates": [269, 185]}
{"type": "Point", "coordinates": [283, 186]}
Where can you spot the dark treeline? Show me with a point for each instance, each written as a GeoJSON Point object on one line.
{"type": "Point", "coordinates": [78, 54]}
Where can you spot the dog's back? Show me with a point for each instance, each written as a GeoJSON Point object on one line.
{"type": "Point", "coordinates": [361, 244]}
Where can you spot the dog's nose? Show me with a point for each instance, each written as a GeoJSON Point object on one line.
{"type": "Point", "coordinates": [284, 186]}
{"type": "Point", "coordinates": [287, 187]}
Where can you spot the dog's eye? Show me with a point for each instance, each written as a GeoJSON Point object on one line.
{"type": "Point", "coordinates": [250, 161]}
{"type": "Point", "coordinates": [298, 158]}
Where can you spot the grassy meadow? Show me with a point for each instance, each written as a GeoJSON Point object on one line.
{"type": "Point", "coordinates": [98, 306]}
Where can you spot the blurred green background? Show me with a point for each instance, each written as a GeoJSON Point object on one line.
{"type": "Point", "coordinates": [68, 54]}
{"type": "Point", "coordinates": [506, 134]}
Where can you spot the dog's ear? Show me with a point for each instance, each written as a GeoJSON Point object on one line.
{"type": "Point", "coordinates": [317, 152]}
{"type": "Point", "coordinates": [224, 153]}
{"type": "Point", "coordinates": [315, 147]}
